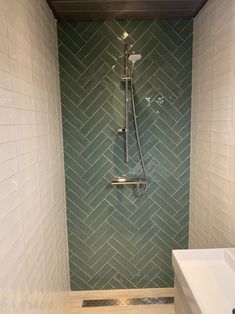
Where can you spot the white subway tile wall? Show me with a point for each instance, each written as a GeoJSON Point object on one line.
{"type": "Point", "coordinates": [212, 205]}
{"type": "Point", "coordinates": [33, 232]}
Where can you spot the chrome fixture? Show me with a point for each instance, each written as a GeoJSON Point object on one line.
{"type": "Point", "coordinates": [133, 57]}
{"type": "Point", "coordinates": [127, 301]}
{"type": "Point", "coordinates": [122, 130]}
{"type": "Point", "coordinates": [128, 77]}
{"type": "Point", "coordinates": [126, 180]}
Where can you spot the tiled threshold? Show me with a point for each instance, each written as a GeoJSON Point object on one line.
{"type": "Point", "coordinates": [77, 297]}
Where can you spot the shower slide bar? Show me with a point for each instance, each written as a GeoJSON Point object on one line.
{"type": "Point", "coordinates": [127, 77]}
{"type": "Point", "coordinates": [126, 98]}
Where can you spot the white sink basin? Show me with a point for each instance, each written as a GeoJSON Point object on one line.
{"type": "Point", "coordinates": [207, 279]}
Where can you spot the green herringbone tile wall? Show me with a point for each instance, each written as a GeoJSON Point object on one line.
{"type": "Point", "coordinates": [115, 239]}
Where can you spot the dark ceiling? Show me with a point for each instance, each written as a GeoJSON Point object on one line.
{"type": "Point", "coordinates": [103, 9]}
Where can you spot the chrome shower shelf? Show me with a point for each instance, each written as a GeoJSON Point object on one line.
{"type": "Point", "coordinates": [126, 180]}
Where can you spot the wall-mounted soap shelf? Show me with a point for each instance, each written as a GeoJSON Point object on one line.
{"type": "Point", "coordinates": [126, 181]}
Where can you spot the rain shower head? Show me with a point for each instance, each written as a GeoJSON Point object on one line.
{"type": "Point", "coordinates": [133, 57]}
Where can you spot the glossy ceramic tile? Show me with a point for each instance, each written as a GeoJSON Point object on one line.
{"type": "Point", "coordinates": [213, 127]}
{"type": "Point", "coordinates": [117, 240]}
{"type": "Point", "coordinates": [33, 240]}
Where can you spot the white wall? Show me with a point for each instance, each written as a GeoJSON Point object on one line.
{"type": "Point", "coordinates": [212, 211]}
{"type": "Point", "coordinates": [33, 239]}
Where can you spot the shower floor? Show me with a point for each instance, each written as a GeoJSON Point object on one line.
{"type": "Point", "coordinates": [77, 299]}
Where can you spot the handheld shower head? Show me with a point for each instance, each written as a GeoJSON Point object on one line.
{"type": "Point", "coordinates": [133, 57]}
